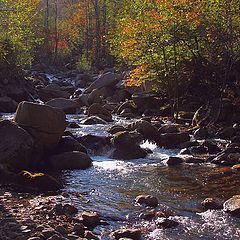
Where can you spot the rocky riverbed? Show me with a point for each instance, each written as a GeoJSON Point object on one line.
{"type": "Point", "coordinates": [117, 167]}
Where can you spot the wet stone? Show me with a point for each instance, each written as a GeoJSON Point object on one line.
{"type": "Point", "coordinates": [148, 200]}
{"type": "Point", "coordinates": [211, 203]}
{"type": "Point", "coordinates": [91, 235]}
{"type": "Point", "coordinates": [61, 229]}
{"type": "Point", "coordinates": [167, 223]}
{"type": "Point", "coordinates": [134, 234]}
{"type": "Point", "coordinates": [172, 161]}
{"type": "Point", "coordinates": [78, 228]}
{"type": "Point", "coordinates": [232, 206]}
{"type": "Point", "coordinates": [91, 218]}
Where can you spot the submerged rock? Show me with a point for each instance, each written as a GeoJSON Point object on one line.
{"type": "Point", "coordinates": [46, 124]}
{"type": "Point", "coordinates": [70, 161]}
{"type": "Point", "coordinates": [15, 145]}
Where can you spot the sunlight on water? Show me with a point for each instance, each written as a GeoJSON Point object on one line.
{"type": "Point", "coordinates": [149, 145]}
{"type": "Point", "coordinates": [110, 164]}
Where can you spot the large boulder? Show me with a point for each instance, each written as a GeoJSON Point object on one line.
{"type": "Point", "coordinates": [145, 128]}
{"type": "Point", "coordinates": [96, 109]}
{"type": "Point", "coordinates": [172, 140]}
{"type": "Point", "coordinates": [15, 145]}
{"type": "Point", "coordinates": [70, 161]}
{"type": "Point", "coordinates": [95, 144]}
{"type": "Point", "coordinates": [67, 105]}
{"type": "Point", "coordinates": [7, 105]}
{"type": "Point", "coordinates": [52, 91]}
{"type": "Point", "coordinates": [68, 144]}
{"type": "Point", "coordinates": [127, 146]}
{"type": "Point", "coordinates": [105, 80]}
{"type": "Point", "coordinates": [46, 124]}
{"type": "Point", "coordinates": [232, 206]}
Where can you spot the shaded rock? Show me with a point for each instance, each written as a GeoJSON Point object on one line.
{"type": "Point", "coordinates": [115, 129]}
{"type": "Point", "coordinates": [212, 147]}
{"type": "Point", "coordinates": [99, 111]}
{"type": "Point", "coordinates": [126, 113]}
{"type": "Point", "coordinates": [198, 150]}
{"type": "Point", "coordinates": [52, 91]}
{"type": "Point", "coordinates": [227, 159]}
{"type": "Point", "coordinates": [93, 120]}
{"type": "Point", "coordinates": [125, 139]}
{"type": "Point", "coordinates": [168, 129]}
{"type": "Point", "coordinates": [104, 80]}
{"type": "Point", "coordinates": [172, 161]}
{"type": "Point", "coordinates": [166, 223]}
{"type": "Point", "coordinates": [126, 105]}
{"type": "Point", "coordinates": [7, 105]}
{"type": "Point", "coordinates": [66, 209]}
{"type": "Point", "coordinates": [69, 144]}
{"type": "Point", "coordinates": [211, 203]}
{"type": "Point", "coordinates": [67, 105]}
{"type": "Point", "coordinates": [46, 124]}
{"type": "Point", "coordinates": [194, 160]}
{"type": "Point", "coordinates": [61, 229]}
{"type": "Point", "coordinates": [148, 200]}
{"type": "Point", "coordinates": [147, 100]}
{"type": "Point", "coordinates": [15, 145]}
{"type": "Point", "coordinates": [201, 133]}
{"type": "Point", "coordinates": [91, 235]}
{"type": "Point", "coordinates": [70, 160]}
{"type": "Point", "coordinates": [226, 133]}
{"type": "Point", "coordinates": [91, 219]}
{"type": "Point", "coordinates": [232, 206]}
{"type": "Point", "coordinates": [132, 233]}
{"type": "Point", "coordinates": [79, 229]}
{"type": "Point", "coordinates": [147, 130]}
{"type": "Point", "coordinates": [6, 175]}
{"type": "Point", "coordinates": [38, 181]}
{"type": "Point", "coordinates": [172, 140]}
{"type": "Point", "coordinates": [127, 146]}
{"type": "Point", "coordinates": [82, 100]}
{"type": "Point", "coordinates": [95, 144]}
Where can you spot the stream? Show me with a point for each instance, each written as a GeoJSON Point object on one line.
{"type": "Point", "coordinates": [110, 187]}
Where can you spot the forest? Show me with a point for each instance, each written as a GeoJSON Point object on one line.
{"type": "Point", "coordinates": [119, 119]}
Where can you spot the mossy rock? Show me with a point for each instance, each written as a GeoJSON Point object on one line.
{"type": "Point", "coordinates": [38, 181]}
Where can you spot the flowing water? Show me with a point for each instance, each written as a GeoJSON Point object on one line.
{"type": "Point", "coordinates": [110, 187]}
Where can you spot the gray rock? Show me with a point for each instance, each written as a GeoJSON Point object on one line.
{"type": "Point", "coordinates": [232, 206]}
{"type": "Point", "coordinates": [70, 160]}
{"type": "Point", "coordinates": [15, 145]}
